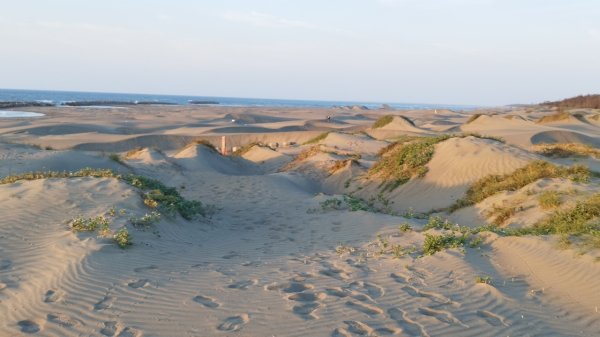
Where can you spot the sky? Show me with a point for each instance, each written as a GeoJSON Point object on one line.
{"type": "Point", "coordinates": [485, 52]}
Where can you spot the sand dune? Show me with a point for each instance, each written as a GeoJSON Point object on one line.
{"type": "Point", "coordinates": [457, 163]}
{"type": "Point", "coordinates": [564, 136]}
{"type": "Point", "coordinates": [267, 158]}
{"type": "Point", "coordinates": [398, 126]}
{"type": "Point", "coordinates": [353, 143]}
{"type": "Point", "coordinates": [293, 245]}
{"type": "Point", "coordinates": [199, 157]}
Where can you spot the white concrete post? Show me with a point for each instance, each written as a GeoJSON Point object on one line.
{"type": "Point", "coordinates": [223, 146]}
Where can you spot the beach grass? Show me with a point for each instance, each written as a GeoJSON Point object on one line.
{"type": "Point", "coordinates": [521, 177]}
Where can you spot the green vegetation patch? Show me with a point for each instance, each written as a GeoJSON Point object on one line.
{"type": "Point", "coordinates": [387, 119]}
{"type": "Point", "coordinates": [403, 160]}
{"type": "Point", "coordinates": [116, 158]}
{"type": "Point", "coordinates": [521, 177]}
{"type": "Point", "coordinates": [122, 238]}
{"type": "Point", "coordinates": [549, 199]}
{"type": "Point", "coordinates": [502, 213]}
{"type": "Point", "coordinates": [565, 150]}
{"type": "Point", "coordinates": [205, 143]}
{"type": "Point", "coordinates": [473, 118]}
{"type": "Point", "coordinates": [483, 279]}
{"type": "Point", "coordinates": [559, 116]}
{"type": "Point", "coordinates": [244, 149]}
{"type": "Point", "coordinates": [436, 243]}
{"type": "Point", "coordinates": [166, 199]}
{"type": "Point", "coordinates": [81, 224]}
{"type": "Point", "coordinates": [576, 220]}
{"type": "Point", "coordinates": [480, 136]}
{"type": "Point", "coordinates": [317, 138]}
{"type": "Point", "coordinates": [383, 121]}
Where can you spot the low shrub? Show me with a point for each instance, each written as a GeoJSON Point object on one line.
{"type": "Point", "coordinates": [483, 279]}
{"type": "Point", "coordinates": [564, 150]}
{"type": "Point", "coordinates": [122, 238]}
{"type": "Point", "coordinates": [436, 243]}
{"type": "Point", "coordinates": [576, 220]}
{"type": "Point", "coordinates": [549, 199]}
{"type": "Point", "coordinates": [317, 139]}
{"type": "Point", "coordinates": [116, 158]}
{"type": "Point", "coordinates": [331, 204]}
{"type": "Point", "coordinates": [405, 227]}
{"type": "Point", "coordinates": [521, 177]}
{"type": "Point", "coordinates": [473, 118]}
{"type": "Point", "coordinates": [559, 116]}
{"type": "Point", "coordinates": [81, 224]}
{"type": "Point", "coordinates": [382, 121]}
{"type": "Point", "coordinates": [501, 214]}
{"type": "Point", "coordinates": [401, 161]}
{"type": "Point", "coordinates": [147, 220]}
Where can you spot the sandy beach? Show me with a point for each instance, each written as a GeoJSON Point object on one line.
{"type": "Point", "coordinates": [377, 222]}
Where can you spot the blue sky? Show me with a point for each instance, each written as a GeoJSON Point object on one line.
{"type": "Point", "coordinates": [426, 51]}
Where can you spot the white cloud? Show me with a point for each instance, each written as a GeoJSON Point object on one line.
{"type": "Point", "coordinates": [265, 20]}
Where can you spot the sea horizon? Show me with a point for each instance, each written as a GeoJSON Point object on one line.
{"type": "Point", "coordinates": [58, 97]}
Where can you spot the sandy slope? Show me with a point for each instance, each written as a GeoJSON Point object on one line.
{"type": "Point", "coordinates": [265, 263]}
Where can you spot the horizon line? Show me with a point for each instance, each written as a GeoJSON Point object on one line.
{"type": "Point", "coordinates": [258, 98]}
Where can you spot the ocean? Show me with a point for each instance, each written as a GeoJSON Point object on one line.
{"type": "Point", "coordinates": [60, 97]}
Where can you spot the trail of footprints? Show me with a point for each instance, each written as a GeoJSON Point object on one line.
{"type": "Point", "coordinates": [306, 302]}
{"type": "Point", "coordinates": [362, 296]}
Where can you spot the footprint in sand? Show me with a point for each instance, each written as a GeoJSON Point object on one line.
{"type": "Point", "coordinates": [364, 308]}
{"type": "Point", "coordinates": [5, 264]}
{"type": "Point", "coordinates": [362, 297]}
{"type": "Point", "coordinates": [491, 318]}
{"type": "Point", "coordinates": [242, 285]}
{"type": "Point", "coordinates": [306, 310]}
{"type": "Point", "coordinates": [143, 269]}
{"type": "Point", "coordinates": [307, 297]}
{"type": "Point", "coordinates": [52, 296]}
{"type": "Point", "coordinates": [231, 255]}
{"type": "Point", "coordinates": [340, 332]}
{"type": "Point", "coordinates": [337, 292]}
{"type": "Point", "coordinates": [131, 332]}
{"type": "Point", "coordinates": [374, 290]}
{"type": "Point", "coordinates": [297, 287]}
{"type": "Point", "coordinates": [400, 278]}
{"type": "Point", "coordinates": [425, 294]}
{"type": "Point", "coordinates": [104, 303]}
{"type": "Point", "coordinates": [139, 283]}
{"type": "Point", "coordinates": [442, 316]}
{"type": "Point", "coordinates": [63, 320]}
{"type": "Point", "coordinates": [387, 331]}
{"type": "Point", "coordinates": [359, 328]}
{"type": "Point", "coordinates": [334, 272]}
{"type": "Point", "coordinates": [110, 328]}
{"type": "Point", "coordinates": [234, 323]}
{"type": "Point", "coordinates": [420, 274]}
{"type": "Point", "coordinates": [29, 326]}
{"type": "Point", "coordinates": [409, 326]}
{"type": "Point", "coordinates": [290, 287]}
{"type": "Point", "coordinates": [206, 301]}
